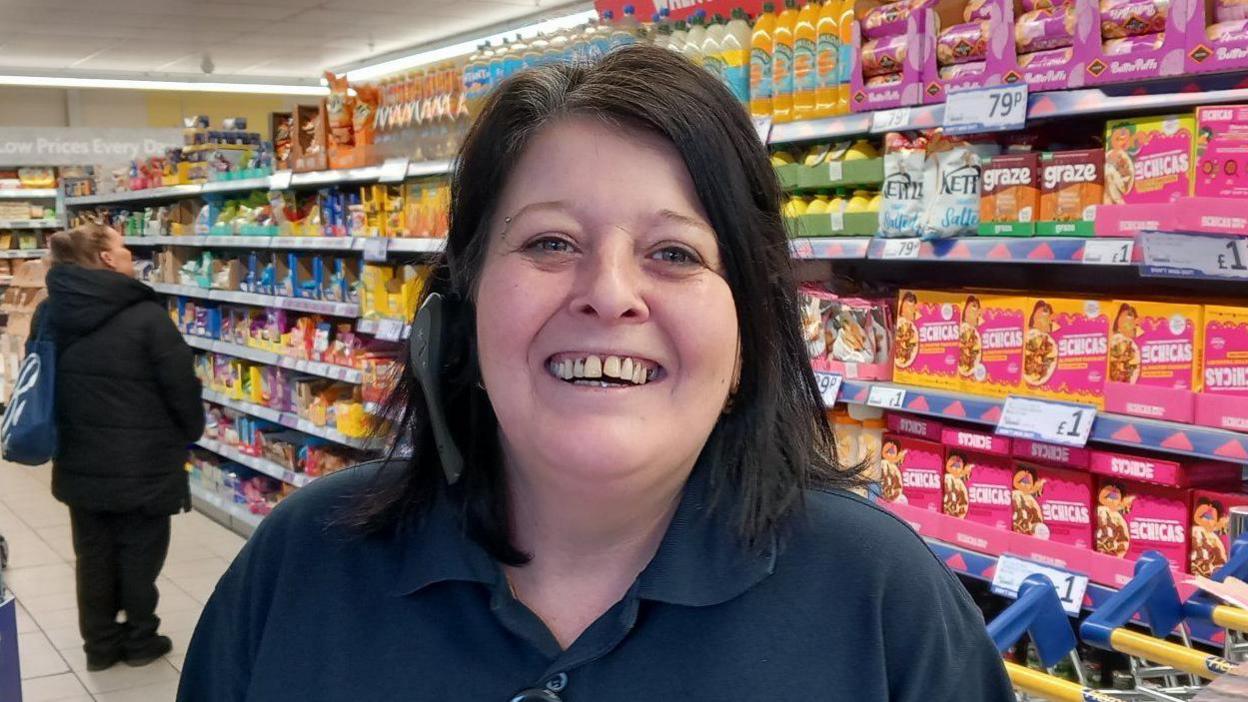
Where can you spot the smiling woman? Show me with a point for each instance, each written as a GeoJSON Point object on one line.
{"type": "Point", "coordinates": [650, 505]}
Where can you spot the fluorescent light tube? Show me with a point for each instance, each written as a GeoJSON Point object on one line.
{"type": "Point", "coordinates": [185, 86]}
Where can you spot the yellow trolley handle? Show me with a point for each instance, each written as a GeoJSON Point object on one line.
{"type": "Point", "coordinates": [1230, 618]}
{"type": "Point", "coordinates": [1177, 657]}
{"type": "Point", "coordinates": [1039, 684]}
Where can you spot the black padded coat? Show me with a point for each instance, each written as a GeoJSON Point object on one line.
{"type": "Point", "coordinates": [127, 399]}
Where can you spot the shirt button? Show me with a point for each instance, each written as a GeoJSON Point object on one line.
{"type": "Point", "coordinates": [557, 683]}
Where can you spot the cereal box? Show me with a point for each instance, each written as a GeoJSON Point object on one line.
{"type": "Point", "coordinates": [1065, 350]}
{"type": "Point", "coordinates": [1053, 504]}
{"type": "Point", "coordinates": [914, 425]}
{"type": "Point", "coordinates": [1132, 518]}
{"type": "Point", "coordinates": [1071, 187]}
{"type": "Point", "coordinates": [1164, 471]}
{"type": "Point", "coordinates": [925, 346]}
{"type": "Point", "coordinates": [978, 478]}
{"type": "Point", "coordinates": [1225, 355]}
{"type": "Point", "coordinates": [990, 358]}
{"type": "Point", "coordinates": [912, 470]}
{"type": "Point", "coordinates": [1010, 195]}
{"type": "Point", "coordinates": [1210, 543]}
{"type": "Point", "coordinates": [1149, 159]}
{"type": "Point", "coordinates": [1155, 344]}
{"type": "Point", "coordinates": [1222, 151]}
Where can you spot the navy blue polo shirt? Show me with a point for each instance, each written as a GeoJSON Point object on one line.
{"type": "Point", "coordinates": [850, 606]}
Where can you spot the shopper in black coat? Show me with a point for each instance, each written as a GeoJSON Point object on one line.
{"type": "Point", "coordinates": [128, 404]}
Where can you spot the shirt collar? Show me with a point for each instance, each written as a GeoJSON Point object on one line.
{"type": "Point", "coordinates": [700, 562]}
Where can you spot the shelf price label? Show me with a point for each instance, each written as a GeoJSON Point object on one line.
{"type": "Point", "coordinates": [836, 170]}
{"type": "Point", "coordinates": [1064, 423]}
{"type": "Point", "coordinates": [901, 248]}
{"type": "Point", "coordinates": [390, 329]}
{"type": "Point", "coordinates": [375, 249]}
{"type": "Point", "coordinates": [1108, 252]}
{"type": "Point", "coordinates": [829, 387]}
{"type": "Point", "coordinates": [886, 397]}
{"type": "Point", "coordinates": [994, 109]}
{"type": "Point", "coordinates": [762, 127]}
{"type": "Point", "coordinates": [1012, 571]}
{"type": "Point", "coordinates": [280, 180]}
{"type": "Point", "coordinates": [890, 120]}
{"type": "Point", "coordinates": [393, 170]}
{"type": "Point", "coordinates": [1192, 256]}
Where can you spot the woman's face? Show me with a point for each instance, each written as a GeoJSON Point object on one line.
{"type": "Point", "coordinates": [117, 257]}
{"type": "Point", "coordinates": [600, 251]}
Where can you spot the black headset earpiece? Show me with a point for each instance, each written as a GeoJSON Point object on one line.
{"type": "Point", "coordinates": [425, 348]}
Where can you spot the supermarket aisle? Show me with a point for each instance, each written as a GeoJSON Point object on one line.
{"type": "Point", "coordinates": [41, 574]}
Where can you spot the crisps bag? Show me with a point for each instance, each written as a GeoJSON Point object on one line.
{"type": "Point", "coordinates": [28, 433]}
{"type": "Point", "coordinates": [902, 189]}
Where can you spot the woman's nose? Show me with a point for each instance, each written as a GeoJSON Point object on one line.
{"type": "Point", "coordinates": [611, 284]}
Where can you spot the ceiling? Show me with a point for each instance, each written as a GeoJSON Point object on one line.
{"type": "Point", "coordinates": [289, 39]}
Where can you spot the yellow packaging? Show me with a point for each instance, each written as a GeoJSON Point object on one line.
{"type": "Point", "coordinates": [1065, 349]}
{"type": "Point", "coordinates": [374, 297]}
{"type": "Point", "coordinates": [927, 333]}
{"type": "Point", "coordinates": [1225, 357]}
{"type": "Point", "coordinates": [1156, 344]}
{"type": "Point", "coordinates": [255, 385]}
{"type": "Point", "coordinates": [990, 355]}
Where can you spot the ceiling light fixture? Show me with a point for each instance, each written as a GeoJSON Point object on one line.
{"type": "Point", "coordinates": [463, 48]}
{"type": "Point", "coordinates": [183, 86]}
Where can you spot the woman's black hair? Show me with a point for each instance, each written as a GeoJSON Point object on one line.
{"type": "Point", "coordinates": [775, 441]}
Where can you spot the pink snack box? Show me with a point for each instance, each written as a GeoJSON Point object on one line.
{"type": "Point", "coordinates": [1154, 359]}
{"type": "Point", "coordinates": [1052, 454]}
{"type": "Point", "coordinates": [1165, 472]}
{"type": "Point", "coordinates": [914, 425]}
{"type": "Point", "coordinates": [907, 91]}
{"type": "Point", "coordinates": [1065, 350]}
{"type": "Point", "coordinates": [979, 479]}
{"type": "Point", "coordinates": [1132, 518]}
{"type": "Point", "coordinates": [1211, 47]}
{"type": "Point", "coordinates": [1053, 504]}
{"type": "Point", "coordinates": [1211, 545]}
{"type": "Point", "coordinates": [927, 339]}
{"type": "Point", "coordinates": [1148, 160]}
{"type": "Point", "coordinates": [1226, 351]}
{"type": "Point", "coordinates": [912, 471]}
{"type": "Point", "coordinates": [991, 358]}
{"type": "Point", "coordinates": [1222, 150]}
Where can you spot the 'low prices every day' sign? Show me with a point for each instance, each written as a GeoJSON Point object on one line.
{"type": "Point", "coordinates": [73, 146]}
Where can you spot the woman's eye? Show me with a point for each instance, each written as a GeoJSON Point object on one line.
{"type": "Point", "coordinates": [551, 245]}
{"type": "Point", "coordinates": [675, 255]}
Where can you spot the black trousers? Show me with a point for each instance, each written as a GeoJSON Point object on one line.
{"type": "Point", "coordinates": [119, 558]}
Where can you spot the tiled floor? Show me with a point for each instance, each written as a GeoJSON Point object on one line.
{"type": "Point", "coordinates": [41, 575]}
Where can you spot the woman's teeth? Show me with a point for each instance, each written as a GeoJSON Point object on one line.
{"type": "Point", "coordinates": [609, 370]}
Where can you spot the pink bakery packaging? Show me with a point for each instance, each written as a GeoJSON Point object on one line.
{"type": "Point", "coordinates": [1053, 504]}
{"type": "Point", "coordinates": [1164, 471]}
{"type": "Point", "coordinates": [1217, 36]}
{"type": "Point", "coordinates": [1143, 59]}
{"type": "Point", "coordinates": [976, 39]}
{"type": "Point", "coordinates": [914, 425]}
{"type": "Point", "coordinates": [979, 478]}
{"type": "Point", "coordinates": [907, 87]}
{"type": "Point", "coordinates": [1052, 454]}
{"type": "Point", "coordinates": [912, 471]}
{"type": "Point", "coordinates": [1132, 518]}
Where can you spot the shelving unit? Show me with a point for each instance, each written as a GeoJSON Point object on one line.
{"type": "Point", "coordinates": [292, 421]}
{"type": "Point", "coordinates": [324, 370]}
{"type": "Point", "coordinates": [231, 516]}
{"type": "Point", "coordinates": [27, 193]}
{"type": "Point", "coordinates": [267, 467]}
{"type": "Point", "coordinates": [294, 304]}
{"type": "Point", "coordinates": [1032, 250]}
{"type": "Point", "coordinates": [29, 224]}
{"type": "Point", "coordinates": [309, 243]}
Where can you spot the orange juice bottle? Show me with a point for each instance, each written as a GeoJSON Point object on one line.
{"type": "Point", "coordinates": [827, 58]}
{"type": "Point", "coordinates": [805, 76]}
{"type": "Point", "coordinates": [846, 64]}
{"type": "Point", "coordinates": [782, 64]}
{"type": "Point", "coordinates": [762, 46]}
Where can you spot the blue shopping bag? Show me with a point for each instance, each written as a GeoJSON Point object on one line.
{"type": "Point", "coordinates": [28, 432]}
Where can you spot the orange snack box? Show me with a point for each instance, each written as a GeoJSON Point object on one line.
{"type": "Point", "coordinates": [927, 339]}
{"type": "Point", "coordinates": [1156, 344]}
{"type": "Point", "coordinates": [990, 358]}
{"type": "Point", "coordinates": [1066, 349]}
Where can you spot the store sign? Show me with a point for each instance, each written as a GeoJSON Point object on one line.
{"type": "Point", "coordinates": [1190, 256]}
{"type": "Point", "coordinates": [82, 146]}
{"type": "Point", "coordinates": [1012, 571]}
{"type": "Point", "coordinates": [678, 9]}
{"type": "Point", "coordinates": [1052, 422]}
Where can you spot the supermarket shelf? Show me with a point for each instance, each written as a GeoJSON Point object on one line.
{"type": "Point", "coordinates": [235, 186]}
{"type": "Point", "coordinates": [324, 370]}
{"type": "Point", "coordinates": [267, 467]}
{"type": "Point", "coordinates": [233, 517]}
{"type": "Point", "coordinates": [310, 243]}
{"type": "Point", "coordinates": [291, 421]}
{"type": "Point", "coordinates": [1168, 94]}
{"type": "Point", "coordinates": [24, 253]}
{"type": "Point", "coordinates": [294, 304]}
{"type": "Point", "coordinates": [429, 168]}
{"type": "Point", "coordinates": [1117, 429]}
{"type": "Point", "coordinates": [23, 193]}
{"type": "Point", "coordinates": [372, 326]}
{"type": "Point", "coordinates": [29, 224]}
{"type": "Point", "coordinates": [830, 247]}
{"type": "Point", "coordinates": [170, 193]}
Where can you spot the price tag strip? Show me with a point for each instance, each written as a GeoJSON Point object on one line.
{"type": "Point", "coordinates": [394, 170]}
{"type": "Point", "coordinates": [1191, 256]}
{"type": "Point", "coordinates": [1012, 571]}
{"type": "Point", "coordinates": [829, 387]}
{"type": "Point", "coordinates": [1064, 423]}
{"type": "Point", "coordinates": [886, 397]}
{"type": "Point", "coordinates": [762, 126]}
{"type": "Point", "coordinates": [375, 249]}
{"type": "Point", "coordinates": [390, 329]}
{"type": "Point", "coordinates": [901, 248]}
{"type": "Point", "coordinates": [890, 120]}
{"type": "Point", "coordinates": [1108, 252]}
{"type": "Point", "coordinates": [280, 180]}
{"type": "Point", "coordinates": [997, 108]}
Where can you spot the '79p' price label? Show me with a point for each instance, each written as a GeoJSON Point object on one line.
{"type": "Point", "coordinates": [829, 387]}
